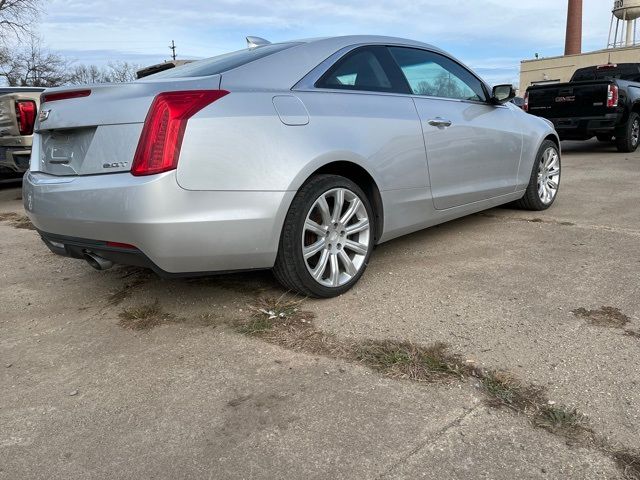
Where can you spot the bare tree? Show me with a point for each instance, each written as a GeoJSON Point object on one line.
{"type": "Point", "coordinates": [35, 66]}
{"type": "Point", "coordinates": [121, 72]}
{"type": "Point", "coordinates": [16, 18]}
{"type": "Point", "coordinates": [86, 74]}
{"type": "Point", "coordinates": [115, 72]}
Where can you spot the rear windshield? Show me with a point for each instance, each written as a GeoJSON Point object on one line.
{"type": "Point", "coordinates": [222, 63]}
{"type": "Point", "coordinates": [630, 72]}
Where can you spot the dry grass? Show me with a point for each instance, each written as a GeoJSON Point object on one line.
{"type": "Point", "coordinates": [567, 422]}
{"type": "Point", "coordinates": [145, 317]}
{"type": "Point", "coordinates": [17, 220]}
{"type": "Point", "coordinates": [505, 390]}
{"type": "Point", "coordinates": [603, 317]}
{"type": "Point", "coordinates": [412, 362]}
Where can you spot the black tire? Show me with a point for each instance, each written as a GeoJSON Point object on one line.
{"type": "Point", "coordinates": [629, 137]}
{"type": "Point", "coordinates": [290, 268]}
{"type": "Point", "coordinates": [604, 138]}
{"type": "Point", "coordinates": [531, 199]}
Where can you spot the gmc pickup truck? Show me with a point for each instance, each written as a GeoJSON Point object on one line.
{"type": "Point", "coordinates": [18, 110]}
{"type": "Point", "coordinates": [601, 101]}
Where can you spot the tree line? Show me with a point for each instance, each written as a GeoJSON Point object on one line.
{"type": "Point", "coordinates": [25, 61]}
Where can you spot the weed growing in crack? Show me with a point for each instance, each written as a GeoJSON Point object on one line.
{"type": "Point", "coordinates": [410, 361]}
{"type": "Point", "coordinates": [560, 420]}
{"type": "Point", "coordinates": [504, 390]}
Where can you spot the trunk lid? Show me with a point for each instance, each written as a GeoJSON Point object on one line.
{"type": "Point", "coordinates": [574, 99]}
{"type": "Point", "coordinates": [99, 133]}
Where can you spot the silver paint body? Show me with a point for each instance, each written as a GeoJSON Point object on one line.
{"type": "Point", "coordinates": [244, 157]}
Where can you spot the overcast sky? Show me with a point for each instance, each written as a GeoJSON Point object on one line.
{"type": "Point", "coordinates": [492, 36]}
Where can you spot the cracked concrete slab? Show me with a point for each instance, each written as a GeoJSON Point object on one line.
{"type": "Point", "coordinates": [84, 398]}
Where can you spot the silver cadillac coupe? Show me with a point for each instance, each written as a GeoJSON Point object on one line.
{"type": "Point", "coordinates": [297, 157]}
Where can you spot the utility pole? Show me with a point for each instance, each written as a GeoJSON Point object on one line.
{"type": "Point", "coordinates": [172, 47]}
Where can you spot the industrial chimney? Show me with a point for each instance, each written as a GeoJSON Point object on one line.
{"type": "Point", "coordinates": [573, 41]}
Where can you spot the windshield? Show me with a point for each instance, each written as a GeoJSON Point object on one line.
{"type": "Point", "coordinates": [629, 72]}
{"type": "Point", "coordinates": [222, 63]}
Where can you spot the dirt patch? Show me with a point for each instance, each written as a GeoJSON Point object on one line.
{"type": "Point", "coordinates": [603, 317]}
{"type": "Point", "coordinates": [528, 220]}
{"type": "Point", "coordinates": [17, 220]}
{"type": "Point", "coordinates": [136, 277]}
{"type": "Point", "coordinates": [145, 317]}
{"type": "Point", "coordinates": [632, 333]}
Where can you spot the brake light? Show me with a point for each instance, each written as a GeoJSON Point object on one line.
{"type": "Point", "coordinates": [53, 97]}
{"type": "Point", "coordinates": [26, 115]}
{"type": "Point", "coordinates": [525, 106]}
{"type": "Point", "coordinates": [161, 138]}
{"type": "Point", "coordinates": [612, 96]}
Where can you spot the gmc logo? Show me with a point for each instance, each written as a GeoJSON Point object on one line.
{"type": "Point", "coordinates": [565, 99]}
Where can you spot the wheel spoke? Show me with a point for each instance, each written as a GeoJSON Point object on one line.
{"type": "Point", "coordinates": [324, 210]}
{"type": "Point", "coordinates": [335, 270]}
{"type": "Point", "coordinates": [338, 205]}
{"type": "Point", "coordinates": [357, 227]}
{"type": "Point", "coordinates": [315, 228]}
{"type": "Point", "coordinates": [359, 248]}
{"type": "Point", "coordinates": [321, 266]}
{"type": "Point", "coordinates": [311, 250]}
{"type": "Point", "coordinates": [553, 185]}
{"type": "Point", "coordinates": [349, 267]}
{"type": "Point", "coordinates": [351, 211]}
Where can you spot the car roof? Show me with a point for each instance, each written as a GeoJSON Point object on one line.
{"type": "Point", "coordinates": [286, 68]}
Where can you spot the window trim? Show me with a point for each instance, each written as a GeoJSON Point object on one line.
{"type": "Point", "coordinates": [307, 83]}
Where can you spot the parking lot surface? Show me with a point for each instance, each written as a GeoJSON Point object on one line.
{"type": "Point", "coordinates": [551, 297]}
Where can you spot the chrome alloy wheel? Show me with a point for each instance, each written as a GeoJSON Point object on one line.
{"type": "Point", "coordinates": [336, 237]}
{"type": "Point", "coordinates": [549, 175]}
{"type": "Point", "coordinates": [635, 132]}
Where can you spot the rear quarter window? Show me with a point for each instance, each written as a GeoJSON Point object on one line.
{"type": "Point", "coordinates": [223, 63]}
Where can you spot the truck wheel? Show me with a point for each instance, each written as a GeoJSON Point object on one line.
{"type": "Point", "coordinates": [604, 138]}
{"type": "Point", "coordinates": [630, 136]}
{"type": "Point", "coordinates": [327, 238]}
{"type": "Point", "coordinates": [545, 179]}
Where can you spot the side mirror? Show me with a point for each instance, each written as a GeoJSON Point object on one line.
{"type": "Point", "coordinates": [502, 94]}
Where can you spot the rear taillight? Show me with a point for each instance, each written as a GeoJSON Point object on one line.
{"type": "Point", "coordinates": [525, 106]}
{"type": "Point", "coordinates": [161, 138]}
{"type": "Point", "coordinates": [53, 97]}
{"type": "Point", "coordinates": [26, 115]}
{"type": "Point", "coordinates": [612, 96]}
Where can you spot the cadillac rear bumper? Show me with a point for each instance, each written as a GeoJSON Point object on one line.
{"type": "Point", "coordinates": [174, 231]}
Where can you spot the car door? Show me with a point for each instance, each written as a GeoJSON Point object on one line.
{"type": "Point", "coordinates": [473, 147]}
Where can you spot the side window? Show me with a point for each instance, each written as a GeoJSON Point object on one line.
{"type": "Point", "coordinates": [366, 68]}
{"type": "Point", "coordinates": [435, 75]}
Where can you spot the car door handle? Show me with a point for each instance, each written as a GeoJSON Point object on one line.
{"type": "Point", "coordinates": [439, 122]}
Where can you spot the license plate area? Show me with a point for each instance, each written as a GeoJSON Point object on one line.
{"type": "Point", "coordinates": [64, 151]}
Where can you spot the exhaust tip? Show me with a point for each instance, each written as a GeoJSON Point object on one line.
{"type": "Point", "coordinates": [97, 262]}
